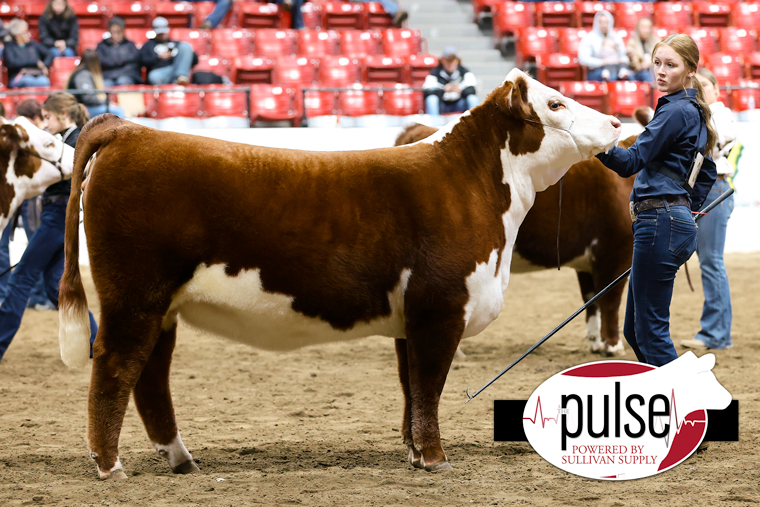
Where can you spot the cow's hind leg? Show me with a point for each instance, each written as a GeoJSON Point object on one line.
{"type": "Point", "coordinates": [609, 306]}
{"type": "Point", "coordinates": [124, 343]}
{"type": "Point", "coordinates": [415, 456]}
{"type": "Point", "coordinates": [154, 403]}
{"type": "Point", "coordinates": [593, 317]}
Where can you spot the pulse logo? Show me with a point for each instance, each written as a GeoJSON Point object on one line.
{"type": "Point", "coordinates": [619, 420]}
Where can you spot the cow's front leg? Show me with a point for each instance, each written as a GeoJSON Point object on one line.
{"type": "Point", "coordinates": [432, 340]}
{"type": "Point", "coordinates": [415, 457]}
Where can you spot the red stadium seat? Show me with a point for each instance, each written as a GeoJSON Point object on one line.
{"type": "Point", "coordinates": [134, 14]}
{"type": "Point", "coordinates": [481, 8]}
{"type": "Point", "coordinates": [89, 38]}
{"type": "Point", "coordinates": [360, 43]}
{"type": "Point", "coordinates": [230, 42]}
{"type": "Point", "coordinates": [138, 35]}
{"type": "Point", "coordinates": [375, 16]}
{"type": "Point", "coordinates": [359, 102]}
{"type": "Point", "coordinates": [712, 13]}
{"type": "Point", "coordinates": [555, 68]}
{"type": "Point", "coordinates": [741, 98]}
{"type": "Point", "coordinates": [343, 15]}
{"type": "Point", "coordinates": [202, 10]}
{"type": "Point", "coordinates": [726, 67]}
{"type": "Point", "coordinates": [32, 13]}
{"type": "Point", "coordinates": [625, 96]}
{"type": "Point", "coordinates": [403, 102]}
{"type": "Point", "coordinates": [252, 70]}
{"type": "Point", "coordinates": [419, 67]}
{"type": "Point", "coordinates": [554, 14]}
{"type": "Point", "coordinates": [509, 17]}
{"type": "Point", "coordinates": [534, 41]}
{"type": "Point", "coordinates": [589, 93]}
{"type": "Point", "coordinates": [384, 69]}
{"type": "Point", "coordinates": [587, 11]}
{"type": "Point", "coordinates": [273, 42]}
{"type": "Point", "coordinates": [320, 103]}
{"type": "Point", "coordinates": [753, 66]}
{"type": "Point", "coordinates": [259, 15]}
{"type": "Point", "coordinates": [737, 40]}
{"type": "Point", "coordinates": [200, 40]}
{"type": "Point", "coordinates": [627, 14]}
{"type": "Point", "coordinates": [61, 69]}
{"type": "Point", "coordinates": [746, 15]}
{"type": "Point", "coordinates": [178, 14]}
{"type": "Point", "coordinates": [178, 103]}
{"type": "Point", "coordinates": [313, 16]}
{"type": "Point", "coordinates": [706, 39]}
{"type": "Point", "coordinates": [91, 15]}
{"type": "Point", "coordinates": [274, 103]}
{"type": "Point", "coordinates": [569, 39]}
{"type": "Point", "coordinates": [215, 64]}
{"type": "Point", "coordinates": [292, 71]}
{"type": "Point", "coordinates": [219, 103]}
{"type": "Point", "coordinates": [673, 15]}
{"type": "Point", "coordinates": [9, 12]}
{"type": "Point", "coordinates": [402, 42]}
{"type": "Point", "coordinates": [317, 43]}
{"type": "Point", "coordinates": [338, 71]}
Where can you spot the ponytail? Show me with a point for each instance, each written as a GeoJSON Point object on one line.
{"type": "Point", "coordinates": [83, 116]}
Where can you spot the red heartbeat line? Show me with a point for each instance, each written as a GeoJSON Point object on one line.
{"type": "Point", "coordinates": [543, 419]}
{"type": "Point", "coordinates": [674, 415]}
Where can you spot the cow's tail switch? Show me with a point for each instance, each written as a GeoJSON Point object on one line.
{"type": "Point", "coordinates": [74, 322]}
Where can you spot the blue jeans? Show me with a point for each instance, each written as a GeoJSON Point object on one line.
{"type": "Point", "coordinates": [29, 82]}
{"type": "Point", "coordinates": [434, 105]}
{"type": "Point", "coordinates": [643, 75]}
{"type": "Point", "coordinates": [296, 18]}
{"type": "Point", "coordinates": [716, 312]}
{"type": "Point", "coordinates": [663, 239]}
{"type": "Point", "coordinates": [220, 10]}
{"type": "Point", "coordinates": [66, 52]}
{"type": "Point", "coordinates": [180, 67]}
{"type": "Point", "coordinates": [113, 109]}
{"type": "Point", "coordinates": [390, 6]}
{"type": "Point", "coordinates": [43, 255]}
{"type": "Point", "coordinates": [119, 81]}
{"type": "Point", "coordinates": [596, 74]}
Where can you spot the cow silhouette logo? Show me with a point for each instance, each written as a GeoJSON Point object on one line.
{"type": "Point", "coordinates": [619, 420]}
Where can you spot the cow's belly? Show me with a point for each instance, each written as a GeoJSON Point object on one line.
{"type": "Point", "coordinates": [583, 263]}
{"type": "Point", "coordinates": [236, 307]}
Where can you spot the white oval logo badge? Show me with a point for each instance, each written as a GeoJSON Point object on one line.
{"type": "Point", "coordinates": [620, 420]}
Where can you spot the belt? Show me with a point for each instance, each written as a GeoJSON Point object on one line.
{"type": "Point", "coordinates": [658, 202]}
{"type": "Point", "coordinates": [53, 198]}
{"type": "Point", "coordinates": [721, 176]}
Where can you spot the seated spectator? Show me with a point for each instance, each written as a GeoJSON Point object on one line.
{"type": "Point", "coordinates": [167, 61]}
{"type": "Point", "coordinates": [27, 60]}
{"type": "Point", "coordinates": [216, 16]}
{"type": "Point", "coordinates": [59, 28]}
{"type": "Point", "coordinates": [639, 49]}
{"type": "Point", "coordinates": [294, 7]}
{"type": "Point", "coordinates": [119, 57]}
{"type": "Point", "coordinates": [450, 87]}
{"type": "Point", "coordinates": [392, 8]}
{"type": "Point", "coordinates": [602, 51]}
{"type": "Point", "coordinates": [88, 77]}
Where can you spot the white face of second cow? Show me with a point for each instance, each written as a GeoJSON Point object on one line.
{"type": "Point", "coordinates": [572, 132]}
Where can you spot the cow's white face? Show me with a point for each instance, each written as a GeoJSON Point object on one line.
{"type": "Point", "coordinates": [571, 132]}
{"type": "Point", "coordinates": [50, 149]}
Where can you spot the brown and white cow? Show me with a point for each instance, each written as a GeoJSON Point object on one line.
{"type": "Point", "coordinates": [282, 249]}
{"type": "Point", "coordinates": [28, 158]}
{"type": "Point", "coordinates": [595, 236]}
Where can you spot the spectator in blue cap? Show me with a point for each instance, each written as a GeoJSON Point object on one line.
{"type": "Point", "coordinates": [450, 87]}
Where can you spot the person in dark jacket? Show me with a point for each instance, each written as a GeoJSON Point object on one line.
{"type": "Point", "coordinates": [119, 57]}
{"type": "Point", "coordinates": [59, 28]}
{"type": "Point", "coordinates": [449, 87]}
{"type": "Point", "coordinates": [167, 61]}
{"type": "Point", "coordinates": [27, 60]}
{"type": "Point", "coordinates": [64, 116]}
{"type": "Point", "coordinates": [669, 184]}
{"type": "Point", "coordinates": [88, 77]}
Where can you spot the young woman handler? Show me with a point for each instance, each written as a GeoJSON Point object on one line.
{"type": "Point", "coordinates": [672, 178]}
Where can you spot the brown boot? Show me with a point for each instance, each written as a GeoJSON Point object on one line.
{"type": "Point", "coordinates": [399, 18]}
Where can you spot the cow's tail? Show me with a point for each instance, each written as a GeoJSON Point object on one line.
{"type": "Point", "coordinates": [73, 315]}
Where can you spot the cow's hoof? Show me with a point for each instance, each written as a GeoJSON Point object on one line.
{"type": "Point", "coordinates": [415, 458]}
{"type": "Point", "coordinates": [116, 475]}
{"type": "Point", "coordinates": [443, 466]}
{"type": "Point", "coordinates": [614, 350]}
{"type": "Point", "coordinates": [187, 467]}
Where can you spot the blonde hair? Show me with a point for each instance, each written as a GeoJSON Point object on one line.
{"type": "Point", "coordinates": [65, 104]}
{"type": "Point", "coordinates": [687, 49]}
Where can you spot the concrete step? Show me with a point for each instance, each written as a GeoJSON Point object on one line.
{"type": "Point", "coordinates": [487, 84]}
{"type": "Point", "coordinates": [434, 7]}
{"type": "Point", "coordinates": [488, 68]}
{"type": "Point", "coordinates": [461, 43]}
{"type": "Point", "coordinates": [448, 30]}
{"type": "Point", "coordinates": [436, 18]}
{"type": "Point", "coordinates": [474, 56]}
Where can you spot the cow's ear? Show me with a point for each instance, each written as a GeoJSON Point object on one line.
{"type": "Point", "coordinates": [8, 136]}
{"type": "Point", "coordinates": [22, 134]}
{"type": "Point", "coordinates": [518, 99]}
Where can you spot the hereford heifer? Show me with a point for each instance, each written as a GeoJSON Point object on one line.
{"type": "Point", "coordinates": [285, 248]}
{"type": "Point", "coordinates": [595, 235]}
{"type": "Point", "coordinates": [33, 160]}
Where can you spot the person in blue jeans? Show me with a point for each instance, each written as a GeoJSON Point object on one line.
{"type": "Point", "coordinates": [450, 87]}
{"type": "Point", "coordinates": [217, 15]}
{"type": "Point", "coordinates": [65, 116]}
{"type": "Point", "coordinates": [668, 186]}
{"type": "Point", "coordinates": [27, 61]}
{"type": "Point", "coordinates": [166, 61]}
{"type": "Point", "coordinates": [715, 332]}
{"type": "Point", "coordinates": [391, 7]}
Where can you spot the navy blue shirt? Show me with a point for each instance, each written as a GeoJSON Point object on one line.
{"type": "Point", "coordinates": [64, 187]}
{"type": "Point", "coordinates": [670, 140]}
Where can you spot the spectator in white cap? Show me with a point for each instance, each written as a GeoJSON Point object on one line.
{"type": "Point", "coordinates": [450, 87]}
{"type": "Point", "coordinates": [167, 61]}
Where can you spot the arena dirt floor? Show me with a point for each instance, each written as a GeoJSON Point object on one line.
{"type": "Point", "coordinates": [319, 426]}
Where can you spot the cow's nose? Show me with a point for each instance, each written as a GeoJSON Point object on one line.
{"type": "Point", "coordinates": [616, 123]}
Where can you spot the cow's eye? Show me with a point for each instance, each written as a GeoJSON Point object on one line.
{"type": "Point", "coordinates": [556, 105]}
